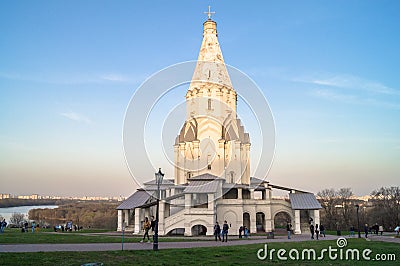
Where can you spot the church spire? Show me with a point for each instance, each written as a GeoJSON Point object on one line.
{"type": "Point", "coordinates": [210, 62]}
{"type": "Point", "coordinates": [212, 141]}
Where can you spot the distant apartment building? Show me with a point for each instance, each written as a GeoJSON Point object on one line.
{"type": "Point", "coordinates": [5, 196]}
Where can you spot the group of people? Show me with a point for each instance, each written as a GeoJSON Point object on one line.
{"type": "Point", "coordinates": [373, 229]}
{"type": "Point", "coordinates": [317, 231]}
{"type": "Point", "coordinates": [34, 227]}
{"type": "Point", "coordinates": [224, 231]}
{"type": "Point", "coordinates": [3, 225]}
{"type": "Point", "coordinates": [377, 229]}
{"type": "Point", "coordinates": [243, 230]}
{"type": "Point", "coordinates": [67, 227]}
{"type": "Point", "coordinates": [24, 227]}
{"type": "Point", "coordinates": [147, 225]}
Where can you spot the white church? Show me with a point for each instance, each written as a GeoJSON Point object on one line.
{"type": "Point", "coordinates": [212, 181]}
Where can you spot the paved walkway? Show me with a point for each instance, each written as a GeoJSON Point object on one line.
{"type": "Point", "coordinates": [164, 245]}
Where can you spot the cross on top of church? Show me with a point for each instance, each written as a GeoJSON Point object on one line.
{"type": "Point", "coordinates": [209, 13]}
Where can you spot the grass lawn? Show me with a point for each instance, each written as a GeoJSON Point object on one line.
{"type": "Point", "coordinates": [14, 236]}
{"type": "Point", "coordinates": [234, 255]}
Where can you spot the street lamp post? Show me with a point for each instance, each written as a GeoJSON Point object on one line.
{"type": "Point", "coordinates": [358, 221]}
{"type": "Point", "coordinates": [159, 178]}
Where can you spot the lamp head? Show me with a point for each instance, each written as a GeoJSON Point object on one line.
{"type": "Point", "coordinates": [159, 176]}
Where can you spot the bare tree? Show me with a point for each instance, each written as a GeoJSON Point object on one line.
{"type": "Point", "coordinates": [17, 218]}
{"type": "Point", "coordinates": [328, 199]}
{"type": "Point", "coordinates": [386, 209]}
{"type": "Point", "coordinates": [347, 209]}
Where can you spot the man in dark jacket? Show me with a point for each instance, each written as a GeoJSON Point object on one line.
{"type": "Point", "coordinates": [217, 231]}
{"type": "Point", "coordinates": [312, 231]}
{"type": "Point", "coordinates": [288, 229]}
{"type": "Point", "coordinates": [225, 228]}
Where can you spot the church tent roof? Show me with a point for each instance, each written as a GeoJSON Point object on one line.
{"type": "Point", "coordinates": [258, 181]}
{"type": "Point", "coordinates": [202, 186]}
{"type": "Point", "coordinates": [304, 201]}
{"type": "Point", "coordinates": [137, 199]}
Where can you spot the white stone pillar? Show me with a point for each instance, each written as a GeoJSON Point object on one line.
{"type": "Point", "coordinates": [268, 225]}
{"type": "Point", "coordinates": [188, 201]}
{"type": "Point", "coordinates": [240, 194]}
{"type": "Point", "coordinates": [252, 193]}
{"type": "Point", "coordinates": [253, 222]}
{"type": "Point", "coordinates": [188, 230]}
{"type": "Point", "coordinates": [210, 230]}
{"type": "Point", "coordinates": [311, 212]}
{"type": "Point", "coordinates": [297, 229]}
{"type": "Point", "coordinates": [120, 221]}
{"type": "Point", "coordinates": [210, 202]}
{"type": "Point", "coordinates": [268, 193]}
{"type": "Point", "coordinates": [316, 218]}
{"type": "Point", "coordinates": [137, 221]}
{"type": "Point", "coordinates": [126, 217]}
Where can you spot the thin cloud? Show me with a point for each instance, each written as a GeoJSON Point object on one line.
{"type": "Point", "coordinates": [75, 78]}
{"type": "Point", "coordinates": [115, 77]}
{"type": "Point", "coordinates": [77, 117]}
{"type": "Point", "coordinates": [360, 139]}
{"type": "Point", "coordinates": [335, 96]}
{"type": "Point", "coordinates": [349, 82]}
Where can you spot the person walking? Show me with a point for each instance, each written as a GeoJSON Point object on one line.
{"type": "Point", "coordinates": [397, 230]}
{"type": "Point", "coordinates": [316, 231]}
{"type": "Point", "coordinates": [352, 231]}
{"type": "Point", "coordinates": [376, 228]}
{"type": "Point", "coordinates": [3, 225]}
{"type": "Point", "coordinates": [322, 230]}
{"type": "Point", "coordinates": [289, 229]}
{"type": "Point", "coordinates": [225, 228]}
{"type": "Point", "coordinates": [366, 230]}
{"type": "Point", "coordinates": [246, 232]}
{"type": "Point", "coordinates": [312, 231]}
{"type": "Point", "coordinates": [152, 226]}
{"type": "Point", "coordinates": [33, 225]}
{"type": "Point", "coordinates": [217, 231]}
{"type": "Point", "coordinates": [146, 228]}
{"type": "Point", "coordinates": [381, 229]}
{"type": "Point", "coordinates": [240, 231]}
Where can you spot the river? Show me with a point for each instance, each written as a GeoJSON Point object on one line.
{"type": "Point", "coordinates": [7, 212]}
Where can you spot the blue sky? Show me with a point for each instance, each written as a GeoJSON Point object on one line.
{"type": "Point", "coordinates": [329, 69]}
